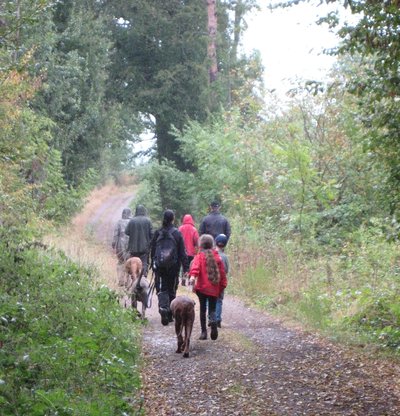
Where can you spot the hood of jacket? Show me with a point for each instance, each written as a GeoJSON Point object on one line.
{"type": "Point", "coordinates": [187, 219]}
{"type": "Point", "coordinates": [140, 210]}
{"type": "Point", "coordinates": [126, 213]}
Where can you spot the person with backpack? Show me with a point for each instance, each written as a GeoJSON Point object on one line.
{"type": "Point", "coordinates": [215, 223]}
{"type": "Point", "coordinates": [168, 254]}
{"type": "Point", "coordinates": [140, 232]}
{"type": "Point", "coordinates": [190, 238]}
{"type": "Point", "coordinates": [207, 275]}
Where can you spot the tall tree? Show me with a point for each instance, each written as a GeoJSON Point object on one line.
{"type": "Point", "coordinates": [212, 36]}
{"type": "Point", "coordinates": [160, 64]}
{"type": "Point", "coordinates": [73, 57]}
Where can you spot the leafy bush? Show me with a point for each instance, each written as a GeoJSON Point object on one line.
{"type": "Point", "coordinates": [66, 346]}
{"type": "Point", "coordinates": [377, 317]}
{"type": "Point", "coordinates": [178, 190]}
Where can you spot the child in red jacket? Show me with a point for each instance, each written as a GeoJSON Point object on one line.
{"type": "Point", "coordinates": [207, 273]}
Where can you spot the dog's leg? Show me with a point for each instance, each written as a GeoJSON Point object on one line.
{"type": "Point", "coordinates": [178, 331]}
{"type": "Point", "coordinates": [134, 302]}
{"type": "Point", "coordinates": [188, 333]}
{"type": "Point", "coordinates": [143, 309]}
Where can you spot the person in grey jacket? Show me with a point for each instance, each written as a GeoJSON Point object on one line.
{"type": "Point", "coordinates": [120, 239]}
{"type": "Point", "coordinates": [140, 232]}
{"type": "Point", "coordinates": [215, 223]}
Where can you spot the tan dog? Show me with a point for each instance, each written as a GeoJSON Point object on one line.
{"type": "Point", "coordinates": [136, 285]}
{"type": "Point", "coordinates": [182, 309]}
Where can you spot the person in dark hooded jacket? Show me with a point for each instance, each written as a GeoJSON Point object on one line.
{"type": "Point", "coordinates": [140, 232]}
{"type": "Point", "coordinates": [166, 281]}
{"type": "Point", "coordinates": [120, 239]}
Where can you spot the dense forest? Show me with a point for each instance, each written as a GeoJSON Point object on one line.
{"type": "Point", "coordinates": [312, 188]}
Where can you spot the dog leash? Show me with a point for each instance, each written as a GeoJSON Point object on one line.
{"type": "Point", "coordinates": [150, 291]}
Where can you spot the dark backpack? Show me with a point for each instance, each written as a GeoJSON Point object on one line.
{"type": "Point", "coordinates": [166, 253]}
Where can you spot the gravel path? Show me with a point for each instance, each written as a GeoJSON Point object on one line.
{"type": "Point", "coordinates": [257, 366]}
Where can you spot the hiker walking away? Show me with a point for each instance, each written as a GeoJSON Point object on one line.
{"type": "Point", "coordinates": [190, 238]}
{"type": "Point", "coordinates": [220, 242]}
{"type": "Point", "coordinates": [215, 223]}
{"type": "Point", "coordinates": [140, 232]}
{"type": "Point", "coordinates": [207, 274]}
{"type": "Point", "coordinates": [168, 254]}
{"type": "Point", "coordinates": [120, 239]}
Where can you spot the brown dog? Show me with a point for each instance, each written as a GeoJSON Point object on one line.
{"type": "Point", "coordinates": [182, 309]}
{"type": "Point", "coordinates": [136, 285]}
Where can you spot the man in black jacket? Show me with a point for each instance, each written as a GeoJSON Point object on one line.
{"type": "Point", "coordinates": [140, 232]}
{"type": "Point", "coordinates": [215, 223]}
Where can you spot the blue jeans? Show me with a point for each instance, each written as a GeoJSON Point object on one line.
{"type": "Point", "coordinates": [218, 308]}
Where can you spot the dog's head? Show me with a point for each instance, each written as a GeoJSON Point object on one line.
{"type": "Point", "coordinates": [134, 267]}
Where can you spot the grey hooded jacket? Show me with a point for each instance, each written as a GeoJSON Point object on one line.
{"type": "Point", "coordinates": [120, 239]}
{"type": "Point", "coordinates": [140, 231]}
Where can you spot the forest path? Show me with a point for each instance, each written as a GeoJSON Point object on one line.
{"type": "Point", "coordinates": [257, 366]}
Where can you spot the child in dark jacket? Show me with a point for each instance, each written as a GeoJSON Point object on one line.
{"type": "Point", "coordinates": [207, 273]}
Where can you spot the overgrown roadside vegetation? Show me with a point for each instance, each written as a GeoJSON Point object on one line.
{"type": "Point", "coordinates": [351, 296]}
{"type": "Point", "coordinates": [66, 345]}
{"type": "Point", "coordinates": [315, 228]}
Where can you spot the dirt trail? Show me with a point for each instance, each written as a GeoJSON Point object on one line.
{"type": "Point", "coordinates": [257, 366]}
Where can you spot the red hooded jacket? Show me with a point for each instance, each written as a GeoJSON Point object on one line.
{"type": "Point", "coordinates": [198, 269]}
{"type": "Point", "coordinates": [190, 235]}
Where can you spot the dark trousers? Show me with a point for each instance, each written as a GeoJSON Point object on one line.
{"type": "Point", "coordinates": [166, 283]}
{"type": "Point", "coordinates": [212, 302]}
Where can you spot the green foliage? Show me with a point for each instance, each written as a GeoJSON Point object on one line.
{"type": "Point", "coordinates": [370, 50]}
{"type": "Point", "coordinates": [377, 317]}
{"type": "Point", "coordinates": [179, 195]}
{"type": "Point", "coordinates": [308, 207]}
{"type": "Point", "coordinates": [67, 346]}
{"type": "Point", "coordinates": [228, 156]}
{"type": "Point", "coordinates": [353, 294]}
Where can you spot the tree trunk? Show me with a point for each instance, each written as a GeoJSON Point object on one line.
{"type": "Point", "coordinates": [212, 37]}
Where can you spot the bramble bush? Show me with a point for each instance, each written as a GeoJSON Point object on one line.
{"type": "Point", "coordinates": [66, 346]}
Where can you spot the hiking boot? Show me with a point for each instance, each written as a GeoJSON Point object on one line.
{"type": "Point", "coordinates": [203, 335]}
{"type": "Point", "coordinates": [219, 324]}
{"type": "Point", "coordinates": [214, 331]}
{"type": "Point", "coordinates": [164, 316]}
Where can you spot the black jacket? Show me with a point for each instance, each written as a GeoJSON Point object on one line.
{"type": "Point", "coordinates": [140, 232]}
{"type": "Point", "coordinates": [215, 223]}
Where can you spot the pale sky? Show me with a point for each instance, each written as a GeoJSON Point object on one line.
{"type": "Point", "coordinates": [291, 43]}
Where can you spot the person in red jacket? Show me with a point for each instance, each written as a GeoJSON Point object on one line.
{"type": "Point", "coordinates": [207, 273]}
{"type": "Point", "coordinates": [190, 237]}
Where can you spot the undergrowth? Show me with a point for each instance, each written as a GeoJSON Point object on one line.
{"type": "Point", "coordinates": [66, 346]}
{"type": "Point", "coordinates": [352, 294]}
